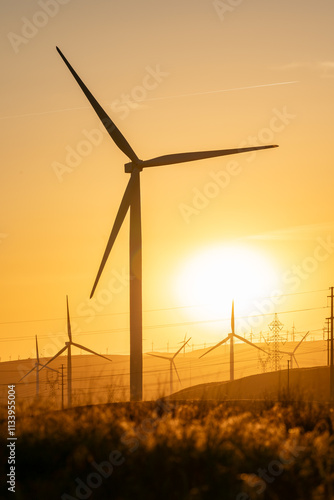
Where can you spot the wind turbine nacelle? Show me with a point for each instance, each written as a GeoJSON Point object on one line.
{"type": "Point", "coordinates": [130, 167]}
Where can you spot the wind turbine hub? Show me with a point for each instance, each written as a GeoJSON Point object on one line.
{"type": "Point", "coordinates": [131, 167]}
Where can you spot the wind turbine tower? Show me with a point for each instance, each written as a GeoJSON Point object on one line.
{"type": "Point", "coordinates": [172, 364]}
{"type": "Point", "coordinates": [231, 337]}
{"type": "Point", "coordinates": [68, 346]}
{"type": "Point", "coordinates": [292, 353]}
{"type": "Point", "coordinates": [37, 368]}
{"type": "Point", "coordinates": [131, 202]}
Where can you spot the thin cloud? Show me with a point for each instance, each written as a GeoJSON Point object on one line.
{"type": "Point", "coordinates": [325, 68]}
{"type": "Point", "coordinates": [293, 65]}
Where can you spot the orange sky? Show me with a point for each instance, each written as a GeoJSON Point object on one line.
{"type": "Point", "coordinates": [165, 72]}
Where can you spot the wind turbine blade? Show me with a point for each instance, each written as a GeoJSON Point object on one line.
{"type": "Point", "coordinates": [177, 373]}
{"type": "Point", "coordinates": [122, 211]}
{"type": "Point", "coordinates": [37, 355]}
{"type": "Point", "coordinates": [24, 376]}
{"type": "Point", "coordinates": [215, 346]}
{"type": "Point", "coordinates": [54, 357]}
{"type": "Point", "coordinates": [109, 125]}
{"type": "Point", "coordinates": [158, 356]}
{"type": "Point", "coordinates": [183, 339]}
{"type": "Point", "coordinates": [250, 343]}
{"type": "Point", "coordinates": [89, 350]}
{"type": "Point", "coordinates": [180, 348]}
{"type": "Point", "coordinates": [294, 357]}
{"type": "Point", "coordinates": [198, 155]}
{"type": "Point", "coordinates": [295, 349]}
{"type": "Point", "coordinates": [48, 367]}
{"type": "Point", "coordinates": [232, 317]}
{"type": "Point", "coordinates": [69, 331]}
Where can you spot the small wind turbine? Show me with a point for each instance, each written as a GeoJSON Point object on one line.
{"type": "Point", "coordinates": [292, 353]}
{"type": "Point", "coordinates": [36, 367]}
{"type": "Point", "coordinates": [172, 364]}
{"type": "Point", "coordinates": [131, 200]}
{"type": "Point", "coordinates": [68, 346]}
{"type": "Point", "coordinates": [230, 337]}
{"type": "Point", "coordinates": [184, 341]}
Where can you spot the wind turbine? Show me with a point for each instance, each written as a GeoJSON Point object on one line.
{"type": "Point", "coordinates": [131, 200]}
{"type": "Point", "coordinates": [184, 340]}
{"type": "Point", "coordinates": [36, 367]}
{"type": "Point", "coordinates": [172, 364]}
{"type": "Point", "coordinates": [230, 337]}
{"type": "Point", "coordinates": [68, 346]}
{"type": "Point", "coordinates": [292, 353]}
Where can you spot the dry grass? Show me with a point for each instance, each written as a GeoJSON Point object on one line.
{"type": "Point", "coordinates": [182, 450]}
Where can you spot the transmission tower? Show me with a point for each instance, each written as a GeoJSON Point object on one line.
{"type": "Point", "coordinates": [263, 362]}
{"type": "Point", "coordinates": [53, 385]}
{"type": "Point", "coordinates": [274, 342]}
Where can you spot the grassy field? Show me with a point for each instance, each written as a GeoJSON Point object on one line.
{"type": "Point", "coordinates": [174, 450]}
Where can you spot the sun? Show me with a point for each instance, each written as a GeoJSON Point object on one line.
{"type": "Point", "coordinates": [211, 279]}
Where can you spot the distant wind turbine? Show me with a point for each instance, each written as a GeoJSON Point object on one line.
{"type": "Point", "coordinates": [68, 346]}
{"type": "Point", "coordinates": [231, 337]}
{"type": "Point", "coordinates": [131, 201]}
{"type": "Point", "coordinates": [292, 353]}
{"type": "Point", "coordinates": [36, 367]}
{"type": "Point", "coordinates": [184, 341]}
{"type": "Point", "coordinates": [172, 363]}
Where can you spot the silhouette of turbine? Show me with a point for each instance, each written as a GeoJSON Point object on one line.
{"type": "Point", "coordinates": [36, 367]}
{"type": "Point", "coordinates": [184, 341]}
{"type": "Point", "coordinates": [172, 363]}
{"type": "Point", "coordinates": [230, 337]}
{"type": "Point", "coordinates": [131, 200]}
{"type": "Point", "coordinates": [292, 353]}
{"type": "Point", "coordinates": [68, 346]}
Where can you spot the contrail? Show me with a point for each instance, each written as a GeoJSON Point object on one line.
{"type": "Point", "coordinates": [222, 90]}
{"type": "Point", "coordinates": [140, 104]}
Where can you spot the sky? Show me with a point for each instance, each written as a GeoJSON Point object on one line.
{"type": "Point", "coordinates": [174, 76]}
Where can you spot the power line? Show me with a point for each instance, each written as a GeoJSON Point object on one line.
{"type": "Point", "coordinates": [171, 325]}
{"type": "Point", "coordinates": [63, 318]}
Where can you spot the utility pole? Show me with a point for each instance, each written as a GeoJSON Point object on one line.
{"type": "Point", "coordinates": [62, 386]}
{"type": "Point", "coordinates": [331, 368]}
{"type": "Point", "coordinates": [328, 339]}
{"type": "Point", "coordinates": [288, 378]}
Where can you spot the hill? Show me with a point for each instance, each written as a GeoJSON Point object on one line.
{"type": "Point", "coordinates": [308, 384]}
